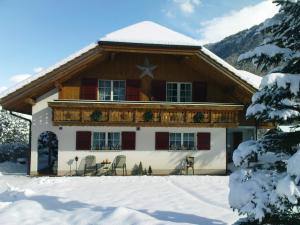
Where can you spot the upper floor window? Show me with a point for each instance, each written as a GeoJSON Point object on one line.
{"type": "Point", "coordinates": [112, 90]}
{"type": "Point", "coordinates": [179, 92]}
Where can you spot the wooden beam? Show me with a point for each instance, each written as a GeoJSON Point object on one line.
{"type": "Point", "coordinates": [144, 105]}
{"type": "Point", "coordinates": [145, 124]}
{"type": "Point", "coordinates": [151, 50]}
{"type": "Point", "coordinates": [112, 56]}
{"type": "Point", "coordinates": [30, 101]}
{"type": "Point", "coordinates": [58, 85]}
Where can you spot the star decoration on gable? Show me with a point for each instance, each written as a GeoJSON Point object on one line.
{"type": "Point", "coordinates": [147, 68]}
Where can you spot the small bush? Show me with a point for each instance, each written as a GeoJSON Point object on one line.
{"type": "Point", "coordinates": [11, 152]}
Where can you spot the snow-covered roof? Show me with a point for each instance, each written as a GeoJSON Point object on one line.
{"type": "Point", "coordinates": [145, 32]}
{"type": "Point", "coordinates": [148, 32]}
{"type": "Point", "coordinates": [250, 78]}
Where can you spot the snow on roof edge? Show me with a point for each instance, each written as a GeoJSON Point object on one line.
{"type": "Point", "coordinates": [149, 32]}
{"type": "Point", "coordinates": [44, 72]}
{"type": "Point", "coordinates": [252, 79]}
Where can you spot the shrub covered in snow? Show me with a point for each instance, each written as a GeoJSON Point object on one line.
{"type": "Point", "coordinates": [12, 152]}
{"type": "Point", "coordinates": [266, 187]}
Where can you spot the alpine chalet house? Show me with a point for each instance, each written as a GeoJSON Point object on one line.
{"type": "Point", "coordinates": [145, 92]}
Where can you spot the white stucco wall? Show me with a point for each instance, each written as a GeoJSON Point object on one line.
{"type": "Point", "coordinates": [41, 122]}
{"type": "Point", "coordinates": [162, 162]}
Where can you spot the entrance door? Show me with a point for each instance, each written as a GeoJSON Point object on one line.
{"type": "Point", "coordinates": [237, 139]}
{"type": "Point", "coordinates": [47, 153]}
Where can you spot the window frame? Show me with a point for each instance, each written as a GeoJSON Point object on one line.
{"type": "Point", "coordinates": [106, 146]}
{"type": "Point", "coordinates": [113, 147]}
{"type": "Point", "coordinates": [182, 147]}
{"type": "Point", "coordinates": [111, 94]}
{"type": "Point", "coordinates": [178, 91]}
{"type": "Point", "coordinates": [99, 140]}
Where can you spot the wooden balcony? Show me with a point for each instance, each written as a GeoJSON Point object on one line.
{"type": "Point", "coordinates": [145, 114]}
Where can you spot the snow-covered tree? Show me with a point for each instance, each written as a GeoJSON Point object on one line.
{"type": "Point", "coordinates": [266, 188]}
{"type": "Point", "coordinates": [13, 129]}
{"type": "Point", "coordinates": [14, 136]}
{"type": "Point", "coordinates": [280, 51]}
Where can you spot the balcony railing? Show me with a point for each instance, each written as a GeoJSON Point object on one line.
{"type": "Point", "coordinates": [90, 113]}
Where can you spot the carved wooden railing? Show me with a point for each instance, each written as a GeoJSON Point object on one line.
{"type": "Point", "coordinates": [82, 113]}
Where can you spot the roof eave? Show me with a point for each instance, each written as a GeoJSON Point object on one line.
{"type": "Point", "coordinates": [228, 72]}
{"type": "Point", "coordinates": [150, 45]}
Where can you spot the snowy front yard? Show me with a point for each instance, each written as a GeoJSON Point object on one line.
{"type": "Point", "coordinates": [115, 200]}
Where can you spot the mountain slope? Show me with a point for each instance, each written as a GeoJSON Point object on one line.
{"type": "Point", "coordinates": [233, 46]}
{"type": "Point", "coordinates": [272, 46]}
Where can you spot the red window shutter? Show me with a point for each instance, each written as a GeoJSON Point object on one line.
{"type": "Point", "coordinates": [128, 140]}
{"type": "Point", "coordinates": [83, 140]}
{"type": "Point", "coordinates": [159, 90]}
{"type": "Point", "coordinates": [132, 90]}
{"type": "Point", "coordinates": [199, 91]}
{"type": "Point", "coordinates": [203, 141]}
{"type": "Point", "coordinates": [89, 89]}
{"type": "Point", "coordinates": [162, 141]}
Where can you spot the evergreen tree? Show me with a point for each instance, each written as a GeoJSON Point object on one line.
{"type": "Point", "coordinates": [150, 170]}
{"type": "Point", "coordinates": [266, 187]}
{"type": "Point", "coordinates": [280, 51]}
{"type": "Point", "coordinates": [12, 129]}
{"type": "Point", "coordinates": [14, 137]}
{"type": "Point", "coordinates": [141, 171]}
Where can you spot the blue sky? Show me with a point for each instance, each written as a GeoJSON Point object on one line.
{"type": "Point", "coordinates": [36, 34]}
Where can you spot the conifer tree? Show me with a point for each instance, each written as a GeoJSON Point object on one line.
{"type": "Point", "coordinates": [12, 129]}
{"type": "Point", "coordinates": [266, 188]}
{"type": "Point", "coordinates": [280, 51]}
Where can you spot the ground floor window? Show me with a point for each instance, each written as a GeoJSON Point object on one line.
{"type": "Point", "coordinates": [114, 140]}
{"type": "Point", "coordinates": [106, 141]}
{"type": "Point", "coordinates": [98, 140]}
{"type": "Point", "coordinates": [182, 141]}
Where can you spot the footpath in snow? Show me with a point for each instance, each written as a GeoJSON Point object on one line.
{"type": "Point", "coordinates": [115, 200]}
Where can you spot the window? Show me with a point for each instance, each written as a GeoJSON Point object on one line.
{"type": "Point", "coordinates": [105, 90]}
{"type": "Point", "coordinates": [172, 92]}
{"type": "Point", "coordinates": [98, 141]}
{"type": "Point", "coordinates": [114, 140]}
{"type": "Point", "coordinates": [175, 141]}
{"type": "Point", "coordinates": [112, 90]}
{"type": "Point", "coordinates": [182, 141]}
{"type": "Point", "coordinates": [185, 92]}
{"type": "Point", "coordinates": [106, 141]}
{"type": "Point", "coordinates": [179, 92]}
{"type": "Point", "coordinates": [189, 140]}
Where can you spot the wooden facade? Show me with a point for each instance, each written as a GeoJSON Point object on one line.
{"type": "Point", "coordinates": [220, 93]}
{"type": "Point", "coordinates": [123, 66]}
{"type": "Point", "coordinates": [106, 61]}
{"type": "Point", "coordinates": [134, 114]}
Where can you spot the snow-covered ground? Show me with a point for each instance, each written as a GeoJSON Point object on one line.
{"type": "Point", "coordinates": [115, 200]}
{"type": "Point", "coordinates": [9, 168]}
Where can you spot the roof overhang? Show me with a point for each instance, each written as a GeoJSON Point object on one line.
{"type": "Point", "coordinates": [21, 99]}
{"type": "Point", "coordinates": [109, 46]}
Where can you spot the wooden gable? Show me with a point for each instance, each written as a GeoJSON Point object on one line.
{"type": "Point", "coordinates": [178, 64]}
{"type": "Point", "coordinates": [123, 66]}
